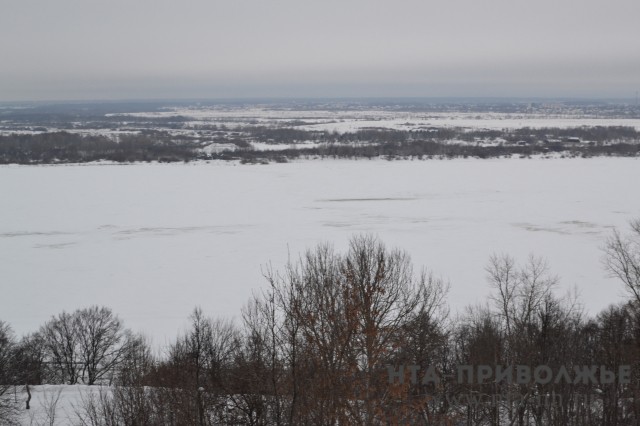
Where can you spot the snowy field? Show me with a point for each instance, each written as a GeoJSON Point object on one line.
{"type": "Point", "coordinates": [152, 241]}
{"type": "Point", "coordinates": [54, 405]}
{"type": "Point", "coordinates": [352, 121]}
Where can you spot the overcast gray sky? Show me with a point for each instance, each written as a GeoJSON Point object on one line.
{"type": "Point", "coordinates": [84, 49]}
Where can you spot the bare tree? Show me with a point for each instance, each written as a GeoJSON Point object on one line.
{"type": "Point", "coordinates": [310, 295]}
{"type": "Point", "coordinates": [386, 295]}
{"type": "Point", "coordinates": [478, 339]}
{"type": "Point", "coordinates": [30, 360]}
{"type": "Point", "coordinates": [84, 346]}
{"type": "Point", "coordinates": [347, 314]}
{"type": "Point", "coordinates": [128, 401]}
{"type": "Point", "coordinates": [60, 341]}
{"type": "Point", "coordinates": [191, 383]}
{"type": "Point", "coordinates": [102, 342]}
{"type": "Point", "coordinates": [503, 277]}
{"type": "Point", "coordinates": [48, 414]}
{"type": "Point", "coordinates": [622, 258]}
{"type": "Point", "coordinates": [616, 345]}
{"type": "Point", "coordinates": [8, 408]}
{"type": "Point", "coordinates": [132, 398]}
{"type": "Point", "coordinates": [535, 327]}
{"type": "Point", "coordinates": [98, 408]}
{"type": "Point", "coordinates": [519, 291]}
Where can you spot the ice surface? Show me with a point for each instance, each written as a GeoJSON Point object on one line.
{"type": "Point", "coordinates": [152, 241]}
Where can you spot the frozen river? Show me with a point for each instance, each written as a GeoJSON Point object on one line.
{"type": "Point", "coordinates": [152, 241]}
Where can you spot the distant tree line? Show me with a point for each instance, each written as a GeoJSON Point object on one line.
{"type": "Point", "coordinates": [162, 146]}
{"type": "Point", "coordinates": [349, 338]}
{"type": "Point", "coordinates": [64, 147]}
{"type": "Point", "coordinates": [423, 150]}
{"type": "Point", "coordinates": [594, 134]}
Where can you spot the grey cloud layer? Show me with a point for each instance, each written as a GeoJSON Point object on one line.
{"type": "Point", "coordinates": [117, 49]}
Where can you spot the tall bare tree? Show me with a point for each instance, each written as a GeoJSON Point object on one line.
{"type": "Point", "coordinates": [86, 345]}
{"type": "Point", "coordinates": [8, 408]}
{"type": "Point", "coordinates": [349, 313]}
{"type": "Point", "coordinates": [102, 342]}
{"type": "Point", "coordinates": [622, 258]}
{"type": "Point", "coordinates": [60, 341]}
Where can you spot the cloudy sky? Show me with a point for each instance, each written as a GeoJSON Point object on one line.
{"type": "Point", "coordinates": [142, 49]}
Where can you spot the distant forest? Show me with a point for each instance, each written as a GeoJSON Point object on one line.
{"type": "Point", "coordinates": [163, 146]}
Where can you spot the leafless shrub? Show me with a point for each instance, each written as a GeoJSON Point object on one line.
{"type": "Point", "coordinates": [48, 414]}
{"type": "Point", "coordinates": [97, 408]}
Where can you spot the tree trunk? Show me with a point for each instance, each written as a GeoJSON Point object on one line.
{"type": "Point", "coordinates": [28, 396]}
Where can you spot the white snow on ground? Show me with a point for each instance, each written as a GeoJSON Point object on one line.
{"type": "Point", "coordinates": [350, 121]}
{"type": "Point", "coordinates": [54, 405]}
{"type": "Point", "coordinates": [467, 122]}
{"type": "Point", "coordinates": [216, 148]}
{"type": "Point", "coordinates": [263, 146]}
{"type": "Point", "coordinates": [152, 241]}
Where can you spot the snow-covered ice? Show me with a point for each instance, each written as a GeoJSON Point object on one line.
{"type": "Point", "coordinates": [152, 241]}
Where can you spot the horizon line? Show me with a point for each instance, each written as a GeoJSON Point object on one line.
{"type": "Point", "coordinates": [632, 99]}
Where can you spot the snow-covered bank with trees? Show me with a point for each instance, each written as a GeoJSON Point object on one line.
{"type": "Point", "coordinates": [327, 342]}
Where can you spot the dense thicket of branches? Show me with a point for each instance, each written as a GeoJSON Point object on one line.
{"type": "Point", "coordinates": [8, 409]}
{"type": "Point", "coordinates": [318, 344]}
